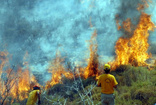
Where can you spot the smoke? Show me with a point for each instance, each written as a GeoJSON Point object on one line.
{"type": "Point", "coordinates": [43, 27]}
{"type": "Point", "coordinates": [152, 10]}
{"type": "Point", "coordinates": [128, 9]}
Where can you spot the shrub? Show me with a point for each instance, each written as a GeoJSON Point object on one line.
{"type": "Point", "coordinates": [126, 96]}
{"type": "Point", "coordinates": [67, 81]}
{"type": "Point", "coordinates": [58, 88]}
{"type": "Point", "coordinates": [88, 81]}
{"type": "Point", "coordinates": [16, 104]}
{"type": "Point", "coordinates": [152, 100]}
{"type": "Point", "coordinates": [143, 94]}
{"type": "Point", "coordinates": [122, 68]}
{"type": "Point", "coordinates": [136, 85]}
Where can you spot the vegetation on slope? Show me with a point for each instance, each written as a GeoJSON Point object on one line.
{"type": "Point", "coordinates": [137, 86]}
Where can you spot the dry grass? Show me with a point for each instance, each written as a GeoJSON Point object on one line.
{"type": "Point", "coordinates": [136, 84]}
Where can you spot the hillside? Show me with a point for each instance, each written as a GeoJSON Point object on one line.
{"type": "Point", "coordinates": [136, 86]}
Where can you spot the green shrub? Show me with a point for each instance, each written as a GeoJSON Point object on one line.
{"type": "Point", "coordinates": [143, 91]}
{"type": "Point", "coordinates": [16, 104]}
{"type": "Point", "coordinates": [88, 81]}
{"type": "Point", "coordinates": [152, 100]}
{"type": "Point", "coordinates": [58, 88]}
{"type": "Point", "coordinates": [129, 102]}
{"type": "Point", "coordinates": [126, 96]}
{"type": "Point", "coordinates": [67, 81]}
{"type": "Point", "coordinates": [122, 68]}
{"type": "Point", "coordinates": [136, 85]}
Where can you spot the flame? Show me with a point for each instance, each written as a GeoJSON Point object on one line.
{"type": "Point", "coordinates": [58, 71]}
{"type": "Point", "coordinates": [3, 60]}
{"type": "Point", "coordinates": [141, 6]}
{"type": "Point", "coordinates": [23, 84]}
{"type": "Point", "coordinates": [25, 79]}
{"type": "Point", "coordinates": [17, 84]}
{"type": "Point", "coordinates": [117, 22]}
{"type": "Point", "coordinates": [127, 25]}
{"type": "Point", "coordinates": [133, 50]}
{"type": "Point", "coordinates": [92, 68]}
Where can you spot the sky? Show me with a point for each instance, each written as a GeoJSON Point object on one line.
{"type": "Point", "coordinates": [43, 27]}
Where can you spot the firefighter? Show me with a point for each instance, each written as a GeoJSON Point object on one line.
{"type": "Point", "coordinates": [107, 82]}
{"type": "Point", "coordinates": [34, 96]}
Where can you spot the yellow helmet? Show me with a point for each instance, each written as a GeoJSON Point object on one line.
{"type": "Point", "coordinates": [107, 66]}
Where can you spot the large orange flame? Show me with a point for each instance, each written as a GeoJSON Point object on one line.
{"type": "Point", "coordinates": [133, 50]}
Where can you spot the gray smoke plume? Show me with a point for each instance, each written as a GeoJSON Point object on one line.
{"type": "Point", "coordinates": [43, 27]}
